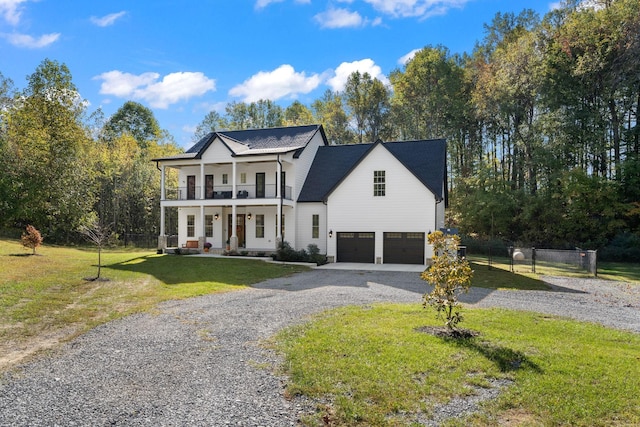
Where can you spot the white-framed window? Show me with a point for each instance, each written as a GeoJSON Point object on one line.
{"type": "Point", "coordinates": [225, 178]}
{"type": "Point", "coordinates": [208, 225]}
{"type": "Point", "coordinates": [259, 226]}
{"type": "Point", "coordinates": [243, 178]}
{"type": "Point", "coordinates": [315, 226]}
{"type": "Point", "coordinates": [379, 183]}
{"type": "Point", "coordinates": [191, 225]}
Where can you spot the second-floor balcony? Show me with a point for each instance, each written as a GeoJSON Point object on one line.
{"type": "Point", "coordinates": [268, 191]}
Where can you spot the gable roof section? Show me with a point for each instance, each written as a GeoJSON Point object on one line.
{"type": "Point", "coordinates": [256, 141]}
{"type": "Point", "coordinates": [261, 141]}
{"type": "Point", "coordinates": [331, 164]}
{"type": "Point", "coordinates": [426, 159]}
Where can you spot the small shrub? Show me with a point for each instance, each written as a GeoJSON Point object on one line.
{"type": "Point", "coordinates": [31, 238]}
{"type": "Point", "coordinates": [244, 253]}
{"type": "Point", "coordinates": [207, 245]}
{"type": "Point", "coordinates": [315, 256]}
{"type": "Point", "coordinates": [287, 253]}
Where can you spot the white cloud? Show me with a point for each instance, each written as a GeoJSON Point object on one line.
{"type": "Point", "coordinates": [280, 83]}
{"type": "Point", "coordinates": [408, 57]}
{"type": "Point", "coordinates": [415, 8]}
{"type": "Point", "coordinates": [173, 88]}
{"type": "Point", "coordinates": [264, 3]}
{"type": "Point", "coordinates": [107, 20]}
{"type": "Point", "coordinates": [261, 4]}
{"type": "Point", "coordinates": [339, 18]}
{"type": "Point", "coordinates": [25, 40]}
{"type": "Point", "coordinates": [10, 10]}
{"type": "Point", "coordinates": [344, 70]}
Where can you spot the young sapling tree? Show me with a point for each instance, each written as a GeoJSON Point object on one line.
{"type": "Point", "coordinates": [98, 234]}
{"type": "Point", "coordinates": [450, 275]}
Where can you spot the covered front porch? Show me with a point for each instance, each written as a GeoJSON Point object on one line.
{"type": "Point", "coordinates": [254, 229]}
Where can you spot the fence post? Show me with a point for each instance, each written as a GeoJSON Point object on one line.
{"type": "Point", "coordinates": [511, 258]}
{"type": "Point", "coordinates": [533, 260]}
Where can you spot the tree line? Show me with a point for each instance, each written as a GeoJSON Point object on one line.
{"type": "Point", "coordinates": [63, 167]}
{"type": "Point", "coordinates": [541, 120]}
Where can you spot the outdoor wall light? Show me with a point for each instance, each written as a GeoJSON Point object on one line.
{"type": "Point", "coordinates": [330, 233]}
{"type": "Point", "coordinates": [216, 216]}
{"type": "Point", "coordinates": [249, 216]}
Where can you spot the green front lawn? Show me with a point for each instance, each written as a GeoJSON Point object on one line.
{"type": "Point", "coordinates": [46, 295]}
{"type": "Point", "coordinates": [370, 366]}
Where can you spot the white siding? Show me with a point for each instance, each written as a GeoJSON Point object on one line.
{"type": "Point", "coordinates": [305, 212]}
{"type": "Point", "coordinates": [217, 152]}
{"type": "Point", "coordinates": [408, 206]}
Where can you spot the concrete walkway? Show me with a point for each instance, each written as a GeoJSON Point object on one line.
{"type": "Point", "coordinates": [407, 268]}
{"type": "Point", "coordinates": [354, 266]}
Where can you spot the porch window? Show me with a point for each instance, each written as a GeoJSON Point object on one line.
{"type": "Point", "coordinates": [315, 226]}
{"type": "Point", "coordinates": [208, 225]}
{"type": "Point", "coordinates": [225, 178]}
{"type": "Point", "coordinates": [379, 184]}
{"type": "Point", "coordinates": [191, 225]}
{"type": "Point", "coordinates": [259, 226]}
{"type": "Point", "coordinates": [243, 178]}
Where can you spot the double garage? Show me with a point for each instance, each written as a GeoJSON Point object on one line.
{"type": "Point", "coordinates": [398, 248]}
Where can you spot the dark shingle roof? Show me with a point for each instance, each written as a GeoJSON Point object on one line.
{"type": "Point", "coordinates": [425, 159]}
{"type": "Point", "coordinates": [254, 141]}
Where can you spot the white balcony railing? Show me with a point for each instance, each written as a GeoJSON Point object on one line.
{"type": "Point", "coordinates": [226, 192]}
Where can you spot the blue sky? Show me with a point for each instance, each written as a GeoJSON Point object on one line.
{"type": "Point", "coordinates": [183, 59]}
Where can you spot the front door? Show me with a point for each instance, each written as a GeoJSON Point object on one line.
{"type": "Point", "coordinates": [240, 229]}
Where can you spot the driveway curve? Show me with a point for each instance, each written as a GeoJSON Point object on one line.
{"type": "Point", "coordinates": [199, 362]}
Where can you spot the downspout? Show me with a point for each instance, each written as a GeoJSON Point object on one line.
{"type": "Point", "coordinates": [436, 214]}
{"type": "Point", "coordinates": [281, 197]}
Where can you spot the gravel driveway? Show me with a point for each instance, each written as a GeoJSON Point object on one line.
{"type": "Point", "coordinates": [198, 362]}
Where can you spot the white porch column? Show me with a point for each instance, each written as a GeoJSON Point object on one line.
{"type": "Point", "coordinates": [233, 241]}
{"type": "Point", "coordinates": [203, 235]}
{"type": "Point", "coordinates": [202, 182]}
{"type": "Point", "coordinates": [162, 184]}
{"type": "Point", "coordinates": [234, 184]}
{"type": "Point", "coordinates": [202, 224]}
{"type": "Point", "coordinates": [162, 219]}
{"type": "Point", "coordinates": [279, 197]}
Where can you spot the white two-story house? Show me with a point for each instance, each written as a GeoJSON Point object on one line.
{"type": "Point", "coordinates": [250, 189]}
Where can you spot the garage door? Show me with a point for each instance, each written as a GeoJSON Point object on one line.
{"type": "Point", "coordinates": [403, 248]}
{"type": "Point", "coordinates": [356, 247]}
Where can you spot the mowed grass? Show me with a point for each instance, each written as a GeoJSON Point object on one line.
{"type": "Point", "coordinates": [619, 271]}
{"type": "Point", "coordinates": [370, 366]}
{"type": "Point", "coordinates": [47, 297]}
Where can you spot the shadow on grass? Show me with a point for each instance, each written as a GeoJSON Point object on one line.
{"type": "Point", "coordinates": [497, 278]}
{"type": "Point", "coordinates": [506, 359]}
{"type": "Point", "coordinates": [176, 270]}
